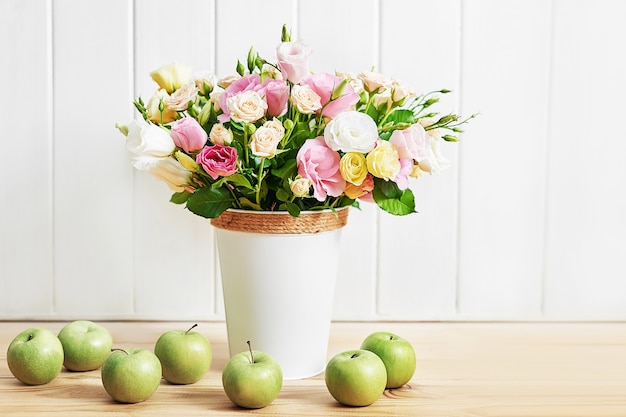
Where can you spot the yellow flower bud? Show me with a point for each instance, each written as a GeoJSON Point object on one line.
{"type": "Point", "coordinates": [353, 167]}
{"type": "Point", "coordinates": [186, 161]}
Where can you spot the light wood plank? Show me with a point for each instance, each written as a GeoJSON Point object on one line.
{"type": "Point", "coordinates": [503, 157]}
{"type": "Point", "coordinates": [173, 248]}
{"type": "Point", "coordinates": [348, 48]}
{"type": "Point", "coordinates": [92, 178]}
{"type": "Point", "coordinates": [417, 253]}
{"type": "Point", "coordinates": [586, 235]}
{"type": "Point", "coordinates": [464, 369]}
{"type": "Point", "coordinates": [25, 171]}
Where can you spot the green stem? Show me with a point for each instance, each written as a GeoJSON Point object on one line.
{"type": "Point", "coordinates": [260, 176]}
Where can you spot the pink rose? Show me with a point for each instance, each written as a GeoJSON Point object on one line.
{"type": "Point", "coordinates": [249, 82]}
{"type": "Point", "coordinates": [412, 143]}
{"type": "Point", "coordinates": [276, 96]}
{"type": "Point", "coordinates": [320, 164]}
{"type": "Point", "coordinates": [218, 160]}
{"type": "Point", "coordinates": [323, 85]}
{"type": "Point", "coordinates": [188, 134]}
{"type": "Point", "coordinates": [293, 60]}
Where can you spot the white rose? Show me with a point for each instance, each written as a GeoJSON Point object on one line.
{"type": "Point", "coordinates": [220, 135]}
{"type": "Point", "coordinates": [264, 142]}
{"type": "Point", "coordinates": [248, 106]}
{"type": "Point", "coordinates": [351, 131]}
{"type": "Point", "coordinates": [146, 142]}
{"type": "Point", "coordinates": [305, 100]}
{"type": "Point", "coordinates": [171, 172]}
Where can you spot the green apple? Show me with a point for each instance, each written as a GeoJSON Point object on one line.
{"type": "Point", "coordinates": [356, 377]}
{"type": "Point", "coordinates": [185, 355]}
{"type": "Point", "coordinates": [35, 356]}
{"type": "Point", "coordinates": [397, 355]}
{"type": "Point", "coordinates": [131, 375]}
{"type": "Point", "coordinates": [85, 344]}
{"type": "Point", "coordinates": [252, 379]}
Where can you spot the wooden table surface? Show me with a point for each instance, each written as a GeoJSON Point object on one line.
{"type": "Point", "coordinates": [464, 369]}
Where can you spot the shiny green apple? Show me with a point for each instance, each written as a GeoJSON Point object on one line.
{"type": "Point", "coordinates": [252, 379]}
{"type": "Point", "coordinates": [397, 354]}
{"type": "Point", "coordinates": [356, 377]}
{"type": "Point", "coordinates": [35, 356]}
{"type": "Point", "coordinates": [131, 375]}
{"type": "Point", "coordinates": [185, 355]}
{"type": "Point", "coordinates": [86, 345]}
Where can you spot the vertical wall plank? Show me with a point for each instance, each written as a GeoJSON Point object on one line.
{"type": "Point", "coordinates": [345, 46]}
{"type": "Point", "coordinates": [92, 179]}
{"type": "Point", "coordinates": [506, 49]}
{"type": "Point", "coordinates": [586, 236]}
{"type": "Point", "coordinates": [25, 171]}
{"type": "Point", "coordinates": [174, 259]}
{"type": "Point", "coordinates": [417, 271]}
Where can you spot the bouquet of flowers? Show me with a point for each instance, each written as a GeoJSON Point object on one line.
{"type": "Point", "coordinates": [275, 136]}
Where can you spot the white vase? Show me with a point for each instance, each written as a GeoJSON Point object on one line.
{"type": "Point", "coordinates": [279, 284]}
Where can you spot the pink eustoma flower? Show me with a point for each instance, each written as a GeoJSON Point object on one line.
{"type": "Point", "coordinates": [218, 160]}
{"type": "Point", "coordinates": [276, 97]}
{"type": "Point", "coordinates": [320, 164]}
{"type": "Point", "coordinates": [323, 84]}
{"type": "Point", "coordinates": [188, 134]}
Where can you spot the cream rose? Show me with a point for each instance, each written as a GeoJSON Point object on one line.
{"type": "Point", "coordinates": [276, 125]}
{"type": "Point", "coordinates": [248, 106]}
{"type": "Point", "coordinates": [351, 131]}
{"type": "Point", "coordinates": [204, 82]}
{"type": "Point", "coordinates": [383, 98]}
{"type": "Point", "coordinates": [179, 99]}
{"type": "Point", "coordinates": [383, 162]}
{"type": "Point", "coordinates": [353, 167]}
{"type": "Point", "coordinates": [228, 80]}
{"type": "Point", "coordinates": [305, 100]}
{"type": "Point", "coordinates": [220, 135]}
{"type": "Point", "coordinates": [264, 142]}
{"type": "Point", "coordinates": [300, 187]}
{"type": "Point", "coordinates": [374, 81]}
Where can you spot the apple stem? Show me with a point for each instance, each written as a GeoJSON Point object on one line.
{"type": "Point", "coordinates": [30, 337]}
{"type": "Point", "coordinates": [354, 355]}
{"type": "Point", "coordinates": [250, 349]}
{"type": "Point", "coordinates": [192, 327]}
{"type": "Point", "coordinates": [121, 350]}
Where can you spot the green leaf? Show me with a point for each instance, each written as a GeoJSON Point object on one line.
{"type": "Point", "coordinates": [209, 202]}
{"type": "Point", "coordinates": [393, 200]}
{"type": "Point", "coordinates": [282, 195]}
{"type": "Point", "coordinates": [401, 116]}
{"type": "Point", "coordinates": [287, 170]}
{"type": "Point", "coordinates": [246, 203]}
{"type": "Point", "coordinates": [239, 180]}
{"type": "Point", "coordinates": [180, 198]}
{"type": "Point", "coordinates": [293, 209]}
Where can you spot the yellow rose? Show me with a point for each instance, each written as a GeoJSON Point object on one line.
{"type": "Point", "coordinates": [172, 76]}
{"type": "Point", "coordinates": [384, 161]}
{"type": "Point", "coordinates": [353, 167]}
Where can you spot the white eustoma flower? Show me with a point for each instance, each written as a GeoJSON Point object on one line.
{"type": "Point", "coordinates": [351, 131]}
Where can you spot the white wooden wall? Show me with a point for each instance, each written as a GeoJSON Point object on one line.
{"type": "Point", "coordinates": [529, 224]}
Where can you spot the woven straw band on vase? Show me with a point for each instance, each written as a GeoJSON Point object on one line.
{"type": "Point", "coordinates": [281, 222]}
